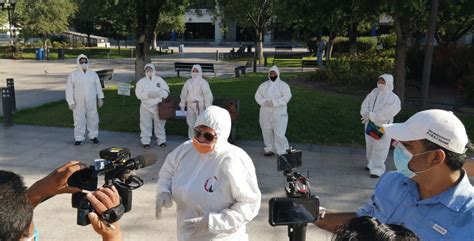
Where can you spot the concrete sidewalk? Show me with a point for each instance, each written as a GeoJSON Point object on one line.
{"type": "Point", "coordinates": [337, 177]}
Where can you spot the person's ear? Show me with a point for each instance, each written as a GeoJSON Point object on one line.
{"type": "Point", "coordinates": [438, 156]}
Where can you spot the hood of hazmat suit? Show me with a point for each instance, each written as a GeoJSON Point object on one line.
{"type": "Point", "coordinates": [221, 185]}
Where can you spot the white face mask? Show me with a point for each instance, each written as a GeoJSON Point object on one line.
{"type": "Point", "coordinates": [194, 75]}
{"type": "Point", "coordinates": [149, 74]}
{"type": "Point", "coordinates": [381, 86]}
{"type": "Point", "coordinates": [84, 66]}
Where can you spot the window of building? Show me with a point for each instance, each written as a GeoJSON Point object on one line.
{"type": "Point", "coordinates": [199, 31]}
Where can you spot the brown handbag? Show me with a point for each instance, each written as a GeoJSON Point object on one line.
{"type": "Point", "coordinates": [232, 108]}
{"type": "Point", "coordinates": [167, 108]}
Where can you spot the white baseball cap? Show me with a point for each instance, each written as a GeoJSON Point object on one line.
{"type": "Point", "coordinates": [438, 126]}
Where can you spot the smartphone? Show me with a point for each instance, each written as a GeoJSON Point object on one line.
{"type": "Point", "coordinates": [287, 211]}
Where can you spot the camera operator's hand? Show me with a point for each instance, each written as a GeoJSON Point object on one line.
{"type": "Point", "coordinates": [162, 200]}
{"type": "Point", "coordinates": [55, 183]}
{"type": "Point", "coordinates": [102, 200]}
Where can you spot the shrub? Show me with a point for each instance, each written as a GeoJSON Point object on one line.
{"type": "Point", "coordinates": [355, 71]}
{"type": "Point", "coordinates": [364, 44]}
{"type": "Point", "coordinates": [388, 41]}
{"type": "Point", "coordinates": [450, 63]}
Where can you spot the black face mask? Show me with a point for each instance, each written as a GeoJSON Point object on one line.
{"type": "Point", "coordinates": [273, 78]}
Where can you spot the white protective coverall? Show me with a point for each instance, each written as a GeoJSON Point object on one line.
{"type": "Point", "coordinates": [145, 91]}
{"type": "Point", "coordinates": [274, 118]}
{"type": "Point", "coordinates": [222, 182]}
{"type": "Point", "coordinates": [380, 106]}
{"type": "Point", "coordinates": [82, 91]}
{"type": "Point", "coordinates": [197, 96]}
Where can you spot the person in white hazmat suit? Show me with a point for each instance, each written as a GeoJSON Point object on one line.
{"type": "Point", "coordinates": [151, 90]}
{"type": "Point", "coordinates": [83, 95]}
{"type": "Point", "coordinates": [213, 183]}
{"type": "Point", "coordinates": [273, 95]}
{"type": "Point", "coordinates": [380, 106]}
{"type": "Point", "coordinates": [196, 95]}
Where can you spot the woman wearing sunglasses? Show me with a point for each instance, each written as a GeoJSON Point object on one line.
{"type": "Point", "coordinates": [212, 182]}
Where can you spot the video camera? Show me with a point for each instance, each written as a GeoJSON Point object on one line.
{"type": "Point", "coordinates": [117, 167]}
{"type": "Point", "coordinates": [299, 207]}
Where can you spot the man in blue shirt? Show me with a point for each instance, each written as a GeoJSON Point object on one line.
{"type": "Point", "coordinates": [431, 193]}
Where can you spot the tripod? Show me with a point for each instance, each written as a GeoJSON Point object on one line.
{"type": "Point", "coordinates": [298, 187]}
{"type": "Point", "coordinates": [297, 232]}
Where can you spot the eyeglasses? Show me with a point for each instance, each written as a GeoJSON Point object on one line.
{"type": "Point", "coordinates": [209, 136]}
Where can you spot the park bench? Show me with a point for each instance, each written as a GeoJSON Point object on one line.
{"type": "Point", "coordinates": [105, 74]}
{"type": "Point", "coordinates": [240, 70]}
{"type": "Point", "coordinates": [306, 63]}
{"type": "Point", "coordinates": [187, 67]}
{"type": "Point", "coordinates": [166, 49]}
{"type": "Point", "coordinates": [232, 105]}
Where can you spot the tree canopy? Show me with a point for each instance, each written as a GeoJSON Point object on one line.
{"type": "Point", "coordinates": [43, 18]}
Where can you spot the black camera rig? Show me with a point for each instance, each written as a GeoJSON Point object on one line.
{"type": "Point", "coordinates": [299, 207]}
{"type": "Point", "coordinates": [116, 165]}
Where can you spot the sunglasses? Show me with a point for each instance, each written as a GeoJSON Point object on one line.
{"type": "Point", "coordinates": [209, 136]}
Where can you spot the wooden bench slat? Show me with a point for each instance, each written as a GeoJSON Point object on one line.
{"type": "Point", "coordinates": [105, 74]}
{"type": "Point", "coordinates": [205, 67]}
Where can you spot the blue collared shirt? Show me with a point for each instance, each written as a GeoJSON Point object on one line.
{"type": "Point", "coordinates": [446, 216]}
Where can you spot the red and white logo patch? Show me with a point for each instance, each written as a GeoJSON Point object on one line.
{"type": "Point", "coordinates": [210, 184]}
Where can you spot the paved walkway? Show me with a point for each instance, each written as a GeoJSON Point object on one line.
{"type": "Point", "coordinates": [337, 177]}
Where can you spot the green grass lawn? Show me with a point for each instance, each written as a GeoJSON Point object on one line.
{"type": "Point", "coordinates": [318, 117]}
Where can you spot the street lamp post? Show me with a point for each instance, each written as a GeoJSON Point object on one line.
{"type": "Point", "coordinates": [9, 6]}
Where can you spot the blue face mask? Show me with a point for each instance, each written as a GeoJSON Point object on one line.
{"type": "Point", "coordinates": [402, 157]}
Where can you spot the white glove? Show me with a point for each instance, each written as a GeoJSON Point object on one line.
{"type": "Point", "coordinates": [182, 109]}
{"type": "Point", "coordinates": [72, 107]}
{"type": "Point", "coordinates": [195, 226]}
{"type": "Point", "coordinates": [364, 119]}
{"type": "Point", "coordinates": [163, 199]}
{"type": "Point", "coordinates": [268, 103]}
{"type": "Point", "coordinates": [164, 93]}
{"type": "Point", "coordinates": [100, 102]}
{"type": "Point", "coordinates": [154, 94]}
{"type": "Point", "coordinates": [372, 116]}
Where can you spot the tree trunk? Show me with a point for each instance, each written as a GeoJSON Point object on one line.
{"type": "Point", "coordinates": [259, 46]}
{"type": "Point", "coordinates": [330, 46]}
{"type": "Point", "coordinates": [89, 41]}
{"type": "Point", "coordinates": [147, 14]}
{"type": "Point", "coordinates": [425, 82]}
{"type": "Point", "coordinates": [45, 48]}
{"type": "Point", "coordinates": [353, 38]}
{"type": "Point", "coordinates": [154, 45]}
{"type": "Point", "coordinates": [400, 61]}
{"type": "Point", "coordinates": [118, 46]}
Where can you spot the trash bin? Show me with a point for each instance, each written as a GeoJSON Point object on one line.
{"type": "Point", "coordinates": [61, 53]}
{"type": "Point", "coordinates": [40, 54]}
{"type": "Point", "coordinates": [181, 48]}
